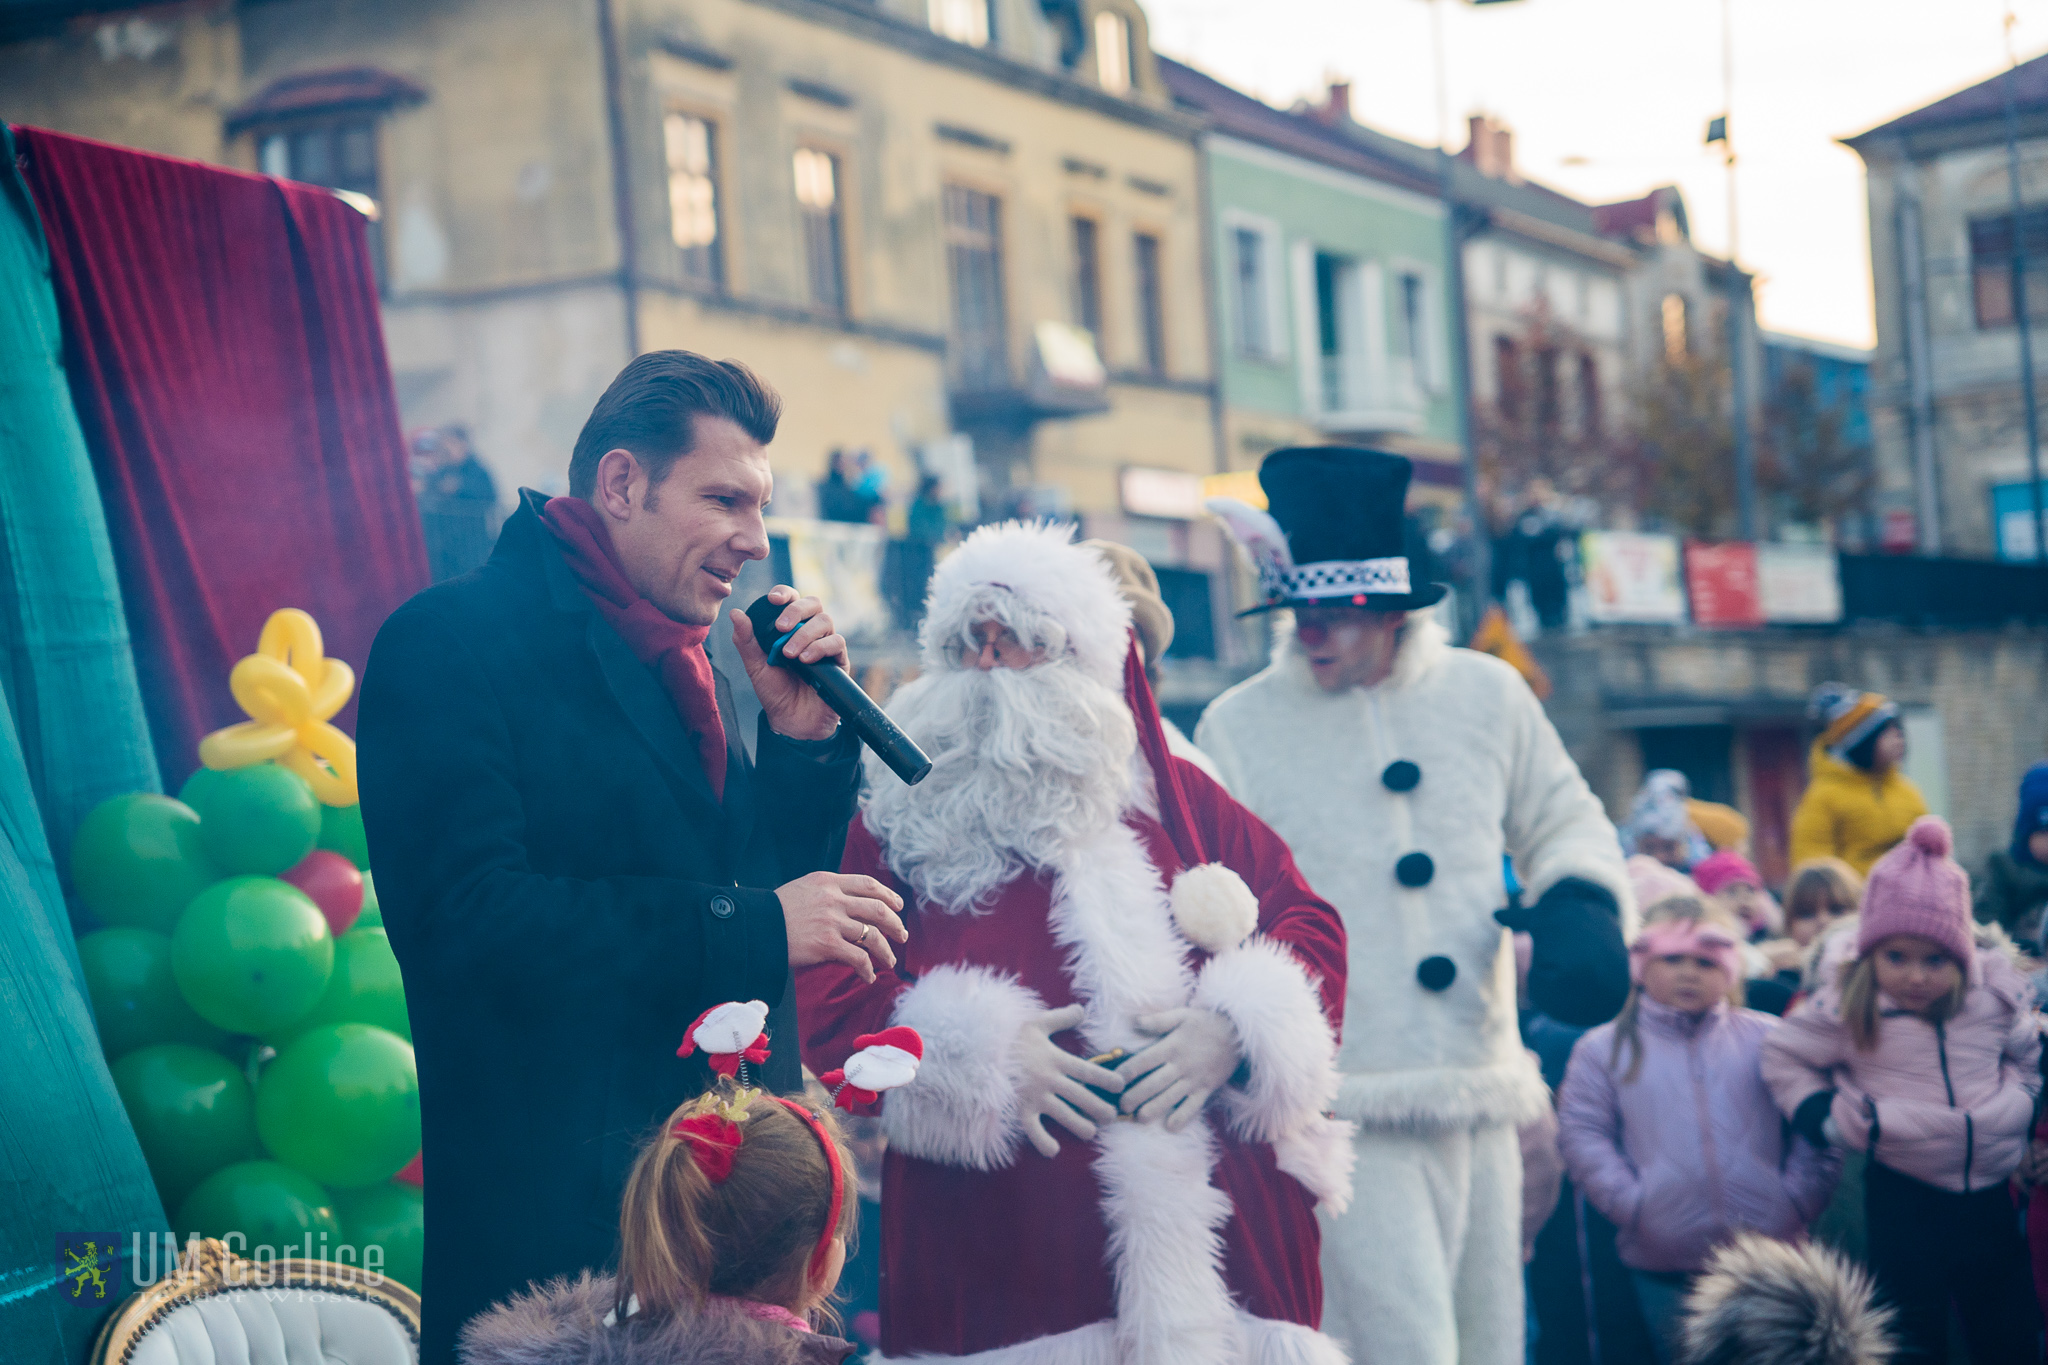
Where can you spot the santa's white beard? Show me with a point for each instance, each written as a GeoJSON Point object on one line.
{"type": "Point", "coordinates": [1024, 762]}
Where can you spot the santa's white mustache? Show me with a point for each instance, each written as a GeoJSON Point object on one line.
{"type": "Point", "coordinates": [1023, 762]}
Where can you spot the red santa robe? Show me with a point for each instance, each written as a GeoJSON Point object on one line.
{"type": "Point", "coordinates": [1144, 1245]}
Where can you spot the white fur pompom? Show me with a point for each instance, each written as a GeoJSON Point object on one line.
{"type": "Point", "coordinates": [1214, 908]}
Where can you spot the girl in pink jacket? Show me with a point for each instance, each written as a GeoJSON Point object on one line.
{"type": "Point", "coordinates": [1924, 1053]}
{"type": "Point", "coordinates": [1664, 1120]}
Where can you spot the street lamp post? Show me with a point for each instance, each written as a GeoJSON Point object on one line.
{"type": "Point", "coordinates": [2019, 299]}
{"type": "Point", "coordinates": [1455, 225]}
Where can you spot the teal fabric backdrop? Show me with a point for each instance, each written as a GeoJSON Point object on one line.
{"type": "Point", "coordinates": [71, 734]}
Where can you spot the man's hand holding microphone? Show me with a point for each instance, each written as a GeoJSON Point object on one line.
{"type": "Point", "coordinates": [828, 916]}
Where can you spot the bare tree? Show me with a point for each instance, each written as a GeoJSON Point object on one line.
{"type": "Point", "coordinates": [1685, 441]}
{"type": "Point", "coordinates": [1547, 433]}
{"type": "Point", "coordinates": [1819, 475]}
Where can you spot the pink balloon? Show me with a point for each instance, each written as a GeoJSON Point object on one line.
{"type": "Point", "coordinates": [334, 885]}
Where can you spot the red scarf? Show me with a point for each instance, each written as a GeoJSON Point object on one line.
{"type": "Point", "coordinates": [654, 638]}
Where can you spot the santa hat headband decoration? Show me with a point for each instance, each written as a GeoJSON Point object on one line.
{"type": "Point", "coordinates": [881, 1061]}
{"type": "Point", "coordinates": [730, 1036]}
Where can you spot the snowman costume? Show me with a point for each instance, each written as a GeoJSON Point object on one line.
{"type": "Point", "coordinates": [1399, 801]}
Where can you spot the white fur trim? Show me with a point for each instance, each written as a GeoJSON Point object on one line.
{"type": "Point", "coordinates": [1266, 994]}
{"type": "Point", "coordinates": [1445, 1097]}
{"type": "Point", "coordinates": [1165, 1221]}
{"type": "Point", "coordinates": [1214, 908]}
{"type": "Point", "coordinates": [1320, 1155]}
{"type": "Point", "coordinates": [1126, 959]}
{"type": "Point", "coordinates": [963, 1109]}
{"type": "Point", "coordinates": [1032, 578]}
{"type": "Point", "coordinates": [1266, 1341]}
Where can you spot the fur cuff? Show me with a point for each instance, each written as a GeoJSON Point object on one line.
{"type": "Point", "coordinates": [963, 1109]}
{"type": "Point", "coordinates": [1430, 1099]}
{"type": "Point", "coordinates": [1319, 1154]}
{"type": "Point", "coordinates": [1263, 990]}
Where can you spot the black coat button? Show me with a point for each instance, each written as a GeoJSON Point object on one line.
{"type": "Point", "coordinates": [1436, 973]}
{"type": "Point", "coordinates": [1415, 869]}
{"type": "Point", "coordinates": [722, 906]}
{"type": "Point", "coordinates": [1401, 776]}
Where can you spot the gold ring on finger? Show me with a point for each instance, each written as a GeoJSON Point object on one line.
{"type": "Point", "coordinates": [865, 931]}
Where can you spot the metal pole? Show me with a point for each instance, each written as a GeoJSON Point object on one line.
{"type": "Point", "coordinates": [1738, 338]}
{"type": "Point", "coordinates": [2019, 312]}
{"type": "Point", "coordinates": [1481, 564]}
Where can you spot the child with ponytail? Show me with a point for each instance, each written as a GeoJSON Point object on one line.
{"type": "Point", "coordinates": [1664, 1120]}
{"type": "Point", "coordinates": [732, 1234]}
{"type": "Point", "coordinates": [1923, 1053]}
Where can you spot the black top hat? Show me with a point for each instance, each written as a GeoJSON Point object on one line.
{"type": "Point", "coordinates": [1344, 513]}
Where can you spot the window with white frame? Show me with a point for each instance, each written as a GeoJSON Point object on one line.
{"type": "Point", "coordinates": [1412, 324]}
{"type": "Point", "coordinates": [1252, 256]}
{"type": "Point", "coordinates": [1248, 292]}
{"type": "Point", "coordinates": [964, 21]}
{"type": "Point", "coordinates": [1113, 52]}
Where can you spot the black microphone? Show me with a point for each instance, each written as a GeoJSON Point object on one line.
{"type": "Point", "coordinates": [843, 695]}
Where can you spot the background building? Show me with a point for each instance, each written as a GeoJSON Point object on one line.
{"type": "Point", "coordinates": [1947, 411]}
{"type": "Point", "coordinates": [920, 221]}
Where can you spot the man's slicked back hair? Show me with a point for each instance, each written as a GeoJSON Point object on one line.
{"type": "Point", "coordinates": [652, 407]}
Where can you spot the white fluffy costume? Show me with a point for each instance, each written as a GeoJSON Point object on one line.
{"type": "Point", "coordinates": [1399, 801]}
{"type": "Point", "coordinates": [1036, 872]}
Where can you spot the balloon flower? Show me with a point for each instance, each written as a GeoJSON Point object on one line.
{"type": "Point", "coordinates": [290, 690]}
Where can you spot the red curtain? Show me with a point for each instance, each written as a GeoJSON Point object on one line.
{"type": "Point", "coordinates": [222, 341]}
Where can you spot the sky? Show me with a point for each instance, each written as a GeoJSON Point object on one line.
{"type": "Point", "coordinates": [1610, 98]}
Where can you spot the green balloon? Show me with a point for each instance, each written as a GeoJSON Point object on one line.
{"type": "Point", "coordinates": [261, 819]}
{"type": "Point", "coordinates": [267, 1204]}
{"type": "Point", "coordinates": [372, 916]}
{"type": "Point", "coordinates": [342, 1104]}
{"type": "Point", "coordinates": [138, 860]}
{"type": "Point", "coordinates": [252, 954]}
{"type": "Point", "coordinates": [391, 1218]}
{"type": "Point", "coordinates": [341, 829]}
{"type": "Point", "coordinates": [135, 996]}
{"type": "Point", "coordinates": [366, 988]}
{"type": "Point", "coordinates": [191, 1110]}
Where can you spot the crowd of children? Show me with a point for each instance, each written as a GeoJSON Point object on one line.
{"type": "Point", "coordinates": [1893, 1110]}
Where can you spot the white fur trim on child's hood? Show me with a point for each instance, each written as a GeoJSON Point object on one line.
{"type": "Point", "coordinates": [1032, 578]}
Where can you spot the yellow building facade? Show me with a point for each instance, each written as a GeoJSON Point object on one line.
{"type": "Point", "coordinates": [919, 219]}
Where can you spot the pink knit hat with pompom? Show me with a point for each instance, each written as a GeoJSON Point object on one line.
{"type": "Point", "coordinates": [1918, 889]}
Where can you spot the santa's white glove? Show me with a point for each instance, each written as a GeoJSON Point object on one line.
{"type": "Point", "coordinates": [1173, 1078]}
{"type": "Point", "coordinates": [1053, 1083]}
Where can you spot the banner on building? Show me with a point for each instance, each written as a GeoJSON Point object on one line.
{"type": "Point", "coordinates": [840, 563]}
{"type": "Point", "coordinates": [1721, 583]}
{"type": "Point", "coordinates": [1631, 576]}
{"type": "Point", "coordinates": [1799, 584]}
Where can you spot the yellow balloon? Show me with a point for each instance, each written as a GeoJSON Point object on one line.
{"type": "Point", "coordinates": [290, 690]}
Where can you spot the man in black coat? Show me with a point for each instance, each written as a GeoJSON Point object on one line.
{"type": "Point", "coordinates": [562, 887]}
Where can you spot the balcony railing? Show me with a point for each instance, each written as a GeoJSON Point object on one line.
{"type": "Point", "coordinates": [1357, 395]}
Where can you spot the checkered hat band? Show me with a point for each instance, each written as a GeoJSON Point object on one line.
{"type": "Point", "coordinates": [1341, 578]}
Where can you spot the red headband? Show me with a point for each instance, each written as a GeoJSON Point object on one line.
{"type": "Point", "coordinates": [817, 1126]}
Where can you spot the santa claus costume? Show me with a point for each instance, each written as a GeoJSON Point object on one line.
{"type": "Point", "coordinates": [1399, 800]}
{"type": "Point", "coordinates": [1056, 856]}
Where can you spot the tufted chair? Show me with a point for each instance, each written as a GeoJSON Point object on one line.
{"type": "Point", "coordinates": [218, 1308]}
